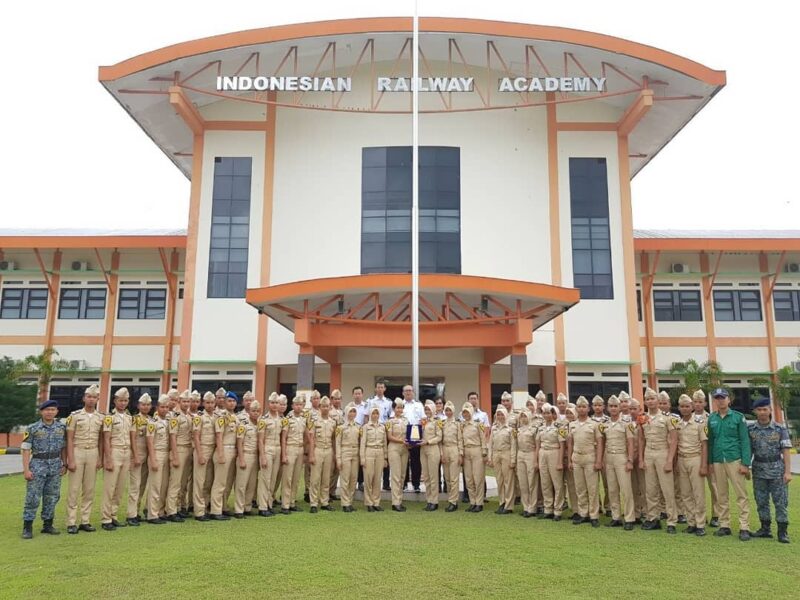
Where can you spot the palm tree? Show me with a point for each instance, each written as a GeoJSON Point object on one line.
{"type": "Point", "coordinates": [784, 386]}
{"type": "Point", "coordinates": [44, 365]}
{"type": "Point", "coordinates": [696, 376]}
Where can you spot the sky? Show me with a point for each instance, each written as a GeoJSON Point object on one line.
{"type": "Point", "coordinates": [71, 157]}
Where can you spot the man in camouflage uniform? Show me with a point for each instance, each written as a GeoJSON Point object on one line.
{"type": "Point", "coordinates": [771, 470]}
{"type": "Point", "coordinates": [44, 455]}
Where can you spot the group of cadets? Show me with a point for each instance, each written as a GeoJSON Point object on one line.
{"type": "Point", "coordinates": [191, 453]}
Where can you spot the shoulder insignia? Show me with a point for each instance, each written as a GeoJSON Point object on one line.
{"type": "Point", "coordinates": [338, 430]}
{"type": "Point", "coordinates": [196, 421]}
{"type": "Point", "coordinates": [515, 432]}
{"type": "Point", "coordinates": [388, 426]}
{"type": "Point", "coordinates": [69, 419]}
{"type": "Point", "coordinates": [562, 433]}
{"type": "Point", "coordinates": [240, 429]}
{"type": "Point", "coordinates": [173, 423]}
{"type": "Point", "coordinates": [221, 421]}
{"type": "Point", "coordinates": [262, 424]}
{"type": "Point", "coordinates": [674, 421]}
{"type": "Point", "coordinates": [440, 424]}
{"type": "Point", "coordinates": [108, 421]}
{"type": "Point", "coordinates": [310, 424]}
{"type": "Point", "coordinates": [26, 435]}
{"type": "Point", "coordinates": [284, 422]}
{"type": "Point", "coordinates": [481, 426]}
{"type": "Point", "coordinates": [151, 427]}
{"type": "Point", "coordinates": [602, 427]}
{"type": "Point", "coordinates": [631, 427]}
{"type": "Point", "coordinates": [705, 429]}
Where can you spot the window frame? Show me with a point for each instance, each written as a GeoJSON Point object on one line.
{"type": "Point", "coordinates": [83, 308]}
{"type": "Point", "coordinates": [792, 300]}
{"type": "Point", "coordinates": [731, 301]}
{"type": "Point", "coordinates": [30, 299]}
{"type": "Point", "coordinates": [147, 306]}
{"type": "Point", "coordinates": [679, 305]}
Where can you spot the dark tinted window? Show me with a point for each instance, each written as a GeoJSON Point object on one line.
{"type": "Point", "coordinates": [82, 303]}
{"type": "Point", "coordinates": [787, 305]}
{"type": "Point", "coordinates": [142, 303]}
{"type": "Point", "coordinates": [737, 305]}
{"type": "Point", "coordinates": [673, 305]}
{"type": "Point", "coordinates": [23, 303]}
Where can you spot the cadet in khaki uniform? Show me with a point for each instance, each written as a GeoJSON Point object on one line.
{"type": "Point", "coordinates": [247, 460]}
{"type": "Point", "coordinates": [269, 446]}
{"type": "Point", "coordinates": [311, 414]}
{"type": "Point", "coordinates": [527, 464]}
{"type": "Point", "coordinates": [219, 398]}
{"type": "Point", "coordinates": [225, 459]}
{"type": "Point", "coordinates": [338, 417]}
{"type": "Point", "coordinates": [637, 475]}
{"type": "Point", "coordinates": [158, 462]}
{"type": "Point", "coordinates": [692, 465]}
{"type": "Point", "coordinates": [657, 444]}
{"type": "Point", "coordinates": [619, 452]}
{"type": "Point", "coordinates": [585, 449]}
{"type": "Point", "coordinates": [473, 453]}
{"type": "Point", "coordinates": [699, 404]}
{"type": "Point", "coordinates": [348, 448]}
{"type": "Point", "coordinates": [321, 441]}
{"type": "Point", "coordinates": [569, 477]}
{"type": "Point", "coordinates": [374, 458]}
{"type": "Point", "coordinates": [205, 441]}
{"type": "Point", "coordinates": [283, 403]}
{"type": "Point", "coordinates": [293, 436]}
{"type": "Point", "coordinates": [502, 447]}
{"type": "Point", "coordinates": [137, 473]}
{"type": "Point", "coordinates": [398, 453]}
{"type": "Point", "coordinates": [665, 406]}
{"type": "Point", "coordinates": [599, 415]}
{"type": "Point", "coordinates": [550, 440]}
{"type": "Point", "coordinates": [187, 499]}
{"type": "Point", "coordinates": [451, 460]}
{"type": "Point", "coordinates": [180, 450]}
{"type": "Point", "coordinates": [431, 455]}
{"type": "Point", "coordinates": [118, 437]}
{"type": "Point", "coordinates": [84, 458]}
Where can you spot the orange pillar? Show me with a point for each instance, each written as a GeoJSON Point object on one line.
{"type": "Point", "coordinates": [336, 376]}
{"type": "Point", "coordinates": [108, 336]}
{"type": "Point", "coordinates": [769, 320]}
{"type": "Point", "coordinates": [52, 307]}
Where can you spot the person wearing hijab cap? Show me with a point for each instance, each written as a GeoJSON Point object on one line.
{"type": "Point", "coordinates": [473, 452]}
{"type": "Point", "coordinates": [398, 453]}
{"type": "Point", "coordinates": [451, 460]}
{"type": "Point", "coordinates": [374, 456]}
{"type": "Point", "coordinates": [502, 447]}
{"type": "Point", "coordinates": [550, 441]}
{"type": "Point", "coordinates": [348, 447]}
{"type": "Point", "coordinates": [527, 467]}
{"type": "Point", "coordinates": [430, 455]}
{"type": "Point", "coordinates": [137, 474]}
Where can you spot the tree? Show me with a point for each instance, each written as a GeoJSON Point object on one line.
{"type": "Point", "coordinates": [784, 387]}
{"type": "Point", "coordinates": [696, 376]}
{"type": "Point", "coordinates": [18, 400]}
{"type": "Point", "coordinates": [44, 365]}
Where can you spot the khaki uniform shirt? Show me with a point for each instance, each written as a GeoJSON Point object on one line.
{"type": "Point", "coordinates": [205, 425]}
{"type": "Point", "coordinates": [347, 436]}
{"type": "Point", "coordinates": [691, 435]}
{"type": "Point", "coordinates": [295, 428]}
{"type": "Point", "coordinates": [617, 433]}
{"type": "Point", "coordinates": [140, 427]}
{"type": "Point", "coordinates": [119, 426]}
{"type": "Point", "coordinates": [450, 432]}
{"type": "Point", "coordinates": [431, 431]}
{"type": "Point", "coordinates": [86, 427]}
{"type": "Point", "coordinates": [157, 429]}
{"type": "Point", "coordinates": [271, 426]}
{"type": "Point", "coordinates": [585, 436]}
{"type": "Point", "coordinates": [472, 436]}
{"type": "Point", "coordinates": [322, 431]}
{"type": "Point", "coordinates": [397, 426]}
{"type": "Point", "coordinates": [526, 438]}
{"type": "Point", "coordinates": [656, 429]}
{"type": "Point", "coordinates": [550, 436]}
{"type": "Point", "coordinates": [248, 432]}
{"type": "Point", "coordinates": [226, 425]}
{"type": "Point", "coordinates": [373, 435]}
{"type": "Point", "coordinates": [180, 425]}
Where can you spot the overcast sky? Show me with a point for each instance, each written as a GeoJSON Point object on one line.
{"type": "Point", "coordinates": [71, 157]}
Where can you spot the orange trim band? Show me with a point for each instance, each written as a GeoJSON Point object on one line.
{"type": "Point", "coordinates": [92, 241]}
{"type": "Point", "coordinates": [718, 244]}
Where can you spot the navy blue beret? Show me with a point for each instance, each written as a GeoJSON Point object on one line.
{"type": "Point", "coordinates": [48, 404]}
{"type": "Point", "coordinates": [760, 403]}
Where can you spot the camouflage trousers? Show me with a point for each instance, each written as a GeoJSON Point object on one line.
{"type": "Point", "coordinates": [45, 487]}
{"type": "Point", "coordinates": [762, 489]}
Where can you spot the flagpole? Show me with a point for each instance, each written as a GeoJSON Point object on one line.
{"type": "Point", "coordinates": [415, 203]}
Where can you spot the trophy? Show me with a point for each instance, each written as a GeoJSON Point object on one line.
{"type": "Point", "coordinates": [414, 435]}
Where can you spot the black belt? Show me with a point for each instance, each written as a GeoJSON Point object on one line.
{"type": "Point", "coordinates": [770, 459]}
{"type": "Point", "coordinates": [47, 455]}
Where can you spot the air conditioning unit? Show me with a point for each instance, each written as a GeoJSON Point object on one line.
{"type": "Point", "coordinates": [796, 366]}
{"type": "Point", "coordinates": [77, 365]}
{"type": "Point", "coordinates": [80, 265]}
{"type": "Point", "coordinates": [679, 268]}
{"type": "Point", "coordinates": [791, 268]}
{"type": "Point", "coordinates": [7, 265]}
{"type": "Point", "coordinates": [678, 366]}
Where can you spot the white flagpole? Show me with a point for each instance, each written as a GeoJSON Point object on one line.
{"type": "Point", "coordinates": [415, 204]}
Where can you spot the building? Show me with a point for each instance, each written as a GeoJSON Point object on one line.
{"type": "Point", "coordinates": [293, 270]}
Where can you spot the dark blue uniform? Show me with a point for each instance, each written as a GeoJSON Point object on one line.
{"type": "Point", "coordinates": [768, 442]}
{"type": "Point", "coordinates": [45, 443]}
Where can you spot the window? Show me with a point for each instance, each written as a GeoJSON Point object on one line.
{"type": "Point", "coordinates": [135, 392]}
{"type": "Point", "coordinates": [787, 305]}
{"type": "Point", "coordinates": [676, 305]}
{"type": "Point", "coordinates": [590, 389]}
{"type": "Point", "coordinates": [386, 210]}
{"type": "Point", "coordinates": [737, 305]}
{"type": "Point", "coordinates": [591, 243]}
{"type": "Point", "coordinates": [230, 227]}
{"type": "Point", "coordinates": [142, 303]}
{"type": "Point", "coordinates": [23, 303]}
{"type": "Point", "coordinates": [82, 303]}
{"type": "Point", "coordinates": [639, 304]}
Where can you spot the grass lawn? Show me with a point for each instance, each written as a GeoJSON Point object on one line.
{"type": "Point", "coordinates": [386, 555]}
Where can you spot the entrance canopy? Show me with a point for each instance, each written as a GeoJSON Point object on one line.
{"type": "Point", "coordinates": [374, 311]}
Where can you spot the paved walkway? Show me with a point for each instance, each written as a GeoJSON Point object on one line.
{"type": "Point", "coordinates": [795, 464]}
{"type": "Point", "coordinates": [10, 464]}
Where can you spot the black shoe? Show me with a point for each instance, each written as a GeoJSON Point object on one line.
{"type": "Point", "coordinates": [400, 508]}
{"type": "Point", "coordinates": [116, 523]}
{"type": "Point", "coordinates": [434, 507]}
{"type": "Point", "coordinates": [86, 527]}
{"type": "Point", "coordinates": [295, 509]}
{"type": "Point", "coordinates": [27, 530]}
{"type": "Point", "coordinates": [549, 516]}
{"type": "Point", "coordinates": [156, 521]}
{"type": "Point", "coordinates": [714, 522]}
{"type": "Point", "coordinates": [183, 514]}
{"type": "Point", "coordinates": [555, 517]}
{"type": "Point", "coordinates": [346, 509]}
{"type": "Point", "coordinates": [525, 514]}
{"type": "Point", "coordinates": [576, 518]}
{"type": "Point", "coordinates": [386, 488]}
{"type": "Point", "coordinates": [586, 519]}
{"type": "Point", "coordinates": [360, 487]}
{"type": "Point", "coordinates": [286, 511]}
{"type": "Point", "coordinates": [700, 532]}
{"type": "Point", "coordinates": [722, 531]}
{"type": "Point", "coordinates": [306, 498]}
{"type": "Point", "coordinates": [266, 513]}
{"type": "Point", "coordinates": [108, 527]}
{"type": "Point", "coordinates": [628, 526]}
{"type": "Point", "coordinates": [238, 515]}
{"type": "Point", "coordinates": [276, 504]}
{"type": "Point", "coordinates": [335, 497]}
{"type": "Point", "coordinates": [465, 499]}
{"type": "Point", "coordinates": [595, 522]}
{"type": "Point", "coordinates": [327, 507]}
{"type": "Point", "coordinates": [744, 536]}
{"type": "Point", "coordinates": [478, 508]}
{"type": "Point", "coordinates": [132, 522]}
{"type": "Point", "coordinates": [663, 516]}
{"type": "Point", "coordinates": [608, 513]}
{"type": "Point", "coordinates": [174, 518]}
{"type": "Point", "coordinates": [690, 529]}
{"type": "Point", "coordinates": [614, 523]}
{"type": "Point", "coordinates": [517, 499]}
{"type": "Point", "coordinates": [377, 509]}
{"type": "Point", "coordinates": [681, 519]}
{"type": "Point", "coordinates": [765, 531]}
{"type": "Point", "coordinates": [651, 525]}
{"type": "Point", "coordinates": [470, 509]}
{"type": "Point", "coordinates": [72, 529]}
{"type": "Point", "coordinates": [222, 517]}
{"type": "Point", "coordinates": [313, 510]}
{"type": "Point", "coordinates": [500, 511]}
{"type": "Point", "coordinates": [427, 507]}
{"type": "Point", "coordinates": [783, 534]}
{"type": "Point", "coordinates": [670, 529]}
{"type": "Point", "coordinates": [202, 518]}
{"type": "Point", "coordinates": [370, 509]}
{"type": "Point", "coordinates": [47, 527]}
{"type": "Point", "coordinates": [451, 507]}
{"type": "Point", "coordinates": [227, 513]}
{"type": "Point", "coordinates": [417, 490]}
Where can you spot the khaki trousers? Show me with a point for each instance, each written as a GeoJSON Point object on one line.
{"type": "Point", "coordinates": [619, 485]}
{"type": "Point", "coordinates": [277, 490]}
{"type": "Point", "coordinates": [639, 487]}
{"type": "Point", "coordinates": [114, 483]}
{"type": "Point", "coordinates": [334, 477]}
{"type": "Point", "coordinates": [245, 485]}
{"type": "Point", "coordinates": [349, 474]}
{"type": "Point", "coordinates": [157, 482]}
{"type": "Point", "coordinates": [222, 473]}
{"type": "Point", "coordinates": [137, 484]}
{"type": "Point", "coordinates": [179, 479]}
{"type": "Point", "coordinates": [373, 474]}
{"type": "Point", "coordinates": [202, 479]}
{"type": "Point", "coordinates": [659, 485]}
{"type": "Point", "coordinates": [604, 500]}
{"type": "Point", "coordinates": [528, 477]}
{"type": "Point", "coordinates": [267, 478]}
{"type": "Point", "coordinates": [431, 458]}
{"type": "Point", "coordinates": [319, 494]}
{"type": "Point", "coordinates": [586, 485]}
{"type": "Point", "coordinates": [451, 472]}
{"type": "Point", "coordinates": [398, 463]}
{"type": "Point", "coordinates": [291, 475]}
{"type": "Point", "coordinates": [726, 472]}
{"type": "Point", "coordinates": [552, 481]}
{"type": "Point", "coordinates": [505, 478]}
{"type": "Point", "coordinates": [712, 487]}
{"type": "Point", "coordinates": [693, 490]}
{"type": "Point", "coordinates": [474, 474]}
{"type": "Point", "coordinates": [82, 481]}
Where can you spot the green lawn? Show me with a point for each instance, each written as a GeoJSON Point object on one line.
{"type": "Point", "coordinates": [386, 555]}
